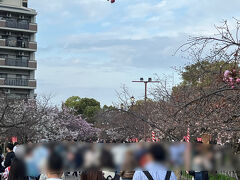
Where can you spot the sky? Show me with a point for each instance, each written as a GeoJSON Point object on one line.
{"type": "Point", "coordinates": [91, 48]}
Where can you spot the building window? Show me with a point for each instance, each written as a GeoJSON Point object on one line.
{"type": "Point", "coordinates": [25, 4]}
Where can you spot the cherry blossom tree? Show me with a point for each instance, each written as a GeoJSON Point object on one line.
{"type": "Point", "coordinates": [63, 124]}
{"type": "Point", "coordinates": [35, 120]}
{"type": "Point", "coordinates": [207, 101]}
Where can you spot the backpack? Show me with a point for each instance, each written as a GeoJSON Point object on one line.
{"type": "Point", "coordinates": [149, 176]}
{"type": "Point", "coordinates": [116, 177]}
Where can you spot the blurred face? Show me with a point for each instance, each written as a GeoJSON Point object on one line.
{"type": "Point", "coordinates": [145, 160]}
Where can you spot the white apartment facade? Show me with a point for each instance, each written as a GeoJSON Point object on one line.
{"type": "Point", "coordinates": [18, 45]}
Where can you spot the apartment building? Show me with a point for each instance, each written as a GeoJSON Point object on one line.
{"type": "Point", "coordinates": [18, 45]}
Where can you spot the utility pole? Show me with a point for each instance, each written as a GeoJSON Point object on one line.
{"type": "Point", "coordinates": [145, 96]}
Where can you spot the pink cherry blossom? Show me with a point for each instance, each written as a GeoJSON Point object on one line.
{"type": "Point", "coordinates": [227, 73]}
{"type": "Point", "coordinates": [238, 80]}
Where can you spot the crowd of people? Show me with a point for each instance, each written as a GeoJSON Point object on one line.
{"type": "Point", "coordinates": [20, 164]}
{"type": "Point", "coordinates": [98, 161]}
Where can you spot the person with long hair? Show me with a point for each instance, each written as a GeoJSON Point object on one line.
{"type": "Point", "coordinates": [17, 170]}
{"type": "Point", "coordinates": [92, 174]}
{"type": "Point", "coordinates": [129, 164]}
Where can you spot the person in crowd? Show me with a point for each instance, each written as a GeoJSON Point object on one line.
{"type": "Point", "coordinates": [10, 155]}
{"type": "Point", "coordinates": [107, 165]}
{"type": "Point", "coordinates": [1, 160]}
{"type": "Point", "coordinates": [35, 160]}
{"type": "Point", "coordinates": [92, 175]}
{"type": "Point", "coordinates": [201, 162]}
{"type": "Point", "coordinates": [151, 162]}
{"type": "Point", "coordinates": [15, 146]}
{"type": "Point", "coordinates": [201, 175]}
{"type": "Point", "coordinates": [54, 166]}
{"type": "Point", "coordinates": [5, 174]}
{"type": "Point", "coordinates": [128, 166]}
{"type": "Point", "coordinates": [17, 170]}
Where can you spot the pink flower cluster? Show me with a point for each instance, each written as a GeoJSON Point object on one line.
{"type": "Point", "coordinates": [112, 1]}
{"type": "Point", "coordinates": [232, 77]}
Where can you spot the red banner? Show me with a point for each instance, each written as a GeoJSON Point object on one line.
{"type": "Point", "coordinates": [14, 139]}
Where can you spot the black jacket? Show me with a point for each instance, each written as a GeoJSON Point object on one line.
{"type": "Point", "coordinates": [8, 160]}
{"type": "Point", "coordinates": [1, 167]}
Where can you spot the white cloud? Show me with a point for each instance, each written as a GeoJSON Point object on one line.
{"type": "Point", "coordinates": [82, 42]}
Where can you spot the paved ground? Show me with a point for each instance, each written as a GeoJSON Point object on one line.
{"type": "Point", "coordinates": [72, 178]}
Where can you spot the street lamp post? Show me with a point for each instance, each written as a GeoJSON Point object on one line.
{"type": "Point", "coordinates": [145, 96]}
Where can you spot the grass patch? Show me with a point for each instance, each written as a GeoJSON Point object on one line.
{"type": "Point", "coordinates": [211, 177]}
{"type": "Point", "coordinates": [220, 177]}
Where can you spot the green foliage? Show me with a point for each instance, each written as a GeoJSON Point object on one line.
{"type": "Point", "coordinates": [220, 176]}
{"type": "Point", "coordinates": [73, 103]}
{"type": "Point", "coordinates": [106, 108]}
{"type": "Point", "coordinates": [140, 102]}
{"type": "Point", "coordinates": [90, 112]}
{"type": "Point", "coordinates": [211, 176]}
{"type": "Point", "coordinates": [203, 74]}
{"type": "Point", "coordinates": [85, 103]}
{"type": "Point", "coordinates": [88, 107]}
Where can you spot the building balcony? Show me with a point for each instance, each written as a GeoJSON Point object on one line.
{"type": "Point", "coordinates": [18, 83]}
{"type": "Point", "coordinates": [18, 45]}
{"type": "Point", "coordinates": [18, 63]}
{"type": "Point", "coordinates": [18, 26]}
